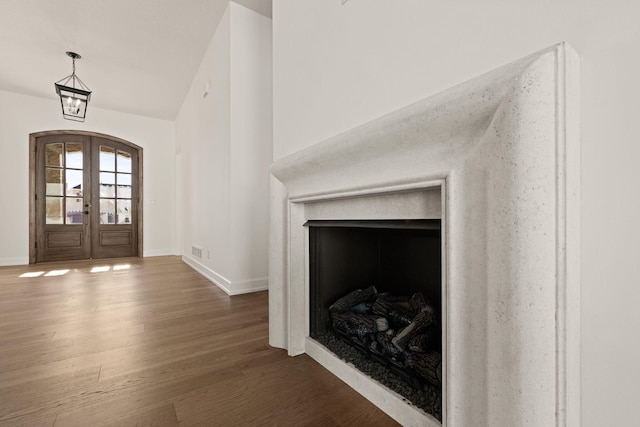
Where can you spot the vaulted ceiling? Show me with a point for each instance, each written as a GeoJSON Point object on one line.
{"type": "Point", "coordinates": [138, 56]}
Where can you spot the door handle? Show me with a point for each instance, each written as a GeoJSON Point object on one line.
{"type": "Point", "coordinates": [86, 212]}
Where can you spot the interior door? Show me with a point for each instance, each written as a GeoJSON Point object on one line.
{"type": "Point", "coordinates": [86, 198]}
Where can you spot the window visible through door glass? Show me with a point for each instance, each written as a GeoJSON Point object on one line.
{"type": "Point", "coordinates": [115, 186]}
{"type": "Point", "coordinates": [124, 211]}
{"type": "Point", "coordinates": [107, 211]}
{"type": "Point", "coordinates": [107, 184]}
{"type": "Point", "coordinates": [124, 162]}
{"type": "Point", "coordinates": [124, 186]}
{"type": "Point", "coordinates": [54, 182]}
{"type": "Point", "coordinates": [74, 183]}
{"type": "Point", "coordinates": [54, 210]}
{"type": "Point", "coordinates": [107, 159]}
{"type": "Point", "coordinates": [74, 177]}
{"type": "Point", "coordinates": [64, 183]}
{"type": "Point", "coordinates": [54, 155]}
{"type": "Point", "coordinates": [73, 158]}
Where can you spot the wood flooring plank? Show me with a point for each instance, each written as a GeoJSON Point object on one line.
{"type": "Point", "coordinates": [21, 400]}
{"type": "Point", "coordinates": [159, 416]}
{"type": "Point", "coordinates": [47, 370]}
{"type": "Point", "coordinates": [250, 402]}
{"type": "Point", "coordinates": [162, 416]}
{"type": "Point", "coordinates": [130, 393]}
{"type": "Point", "coordinates": [39, 418]}
{"type": "Point", "coordinates": [154, 343]}
{"type": "Point", "coordinates": [20, 340]}
{"type": "Point", "coordinates": [174, 359]}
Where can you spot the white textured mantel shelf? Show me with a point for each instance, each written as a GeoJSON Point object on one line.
{"type": "Point", "coordinates": [503, 149]}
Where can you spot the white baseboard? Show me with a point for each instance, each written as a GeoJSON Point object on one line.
{"type": "Point", "coordinates": [252, 285]}
{"type": "Point", "coordinates": [229, 287]}
{"type": "Point", "coordinates": [7, 262]}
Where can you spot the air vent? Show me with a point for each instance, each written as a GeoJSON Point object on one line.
{"type": "Point", "coordinates": [196, 251]}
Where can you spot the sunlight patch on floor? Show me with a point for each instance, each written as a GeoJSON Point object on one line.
{"type": "Point", "coordinates": [57, 273]}
{"type": "Point", "coordinates": [32, 274]}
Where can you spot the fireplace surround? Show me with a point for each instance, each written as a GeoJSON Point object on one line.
{"type": "Point", "coordinates": [496, 159]}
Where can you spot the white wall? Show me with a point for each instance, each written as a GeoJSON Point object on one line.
{"type": "Point", "coordinates": [251, 141]}
{"type": "Point", "coordinates": [21, 115]}
{"type": "Point", "coordinates": [203, 141]}
{"type": "Point", "coordinates": [337, 66]}
{"type": "Point", "coordinates": [224, 150]}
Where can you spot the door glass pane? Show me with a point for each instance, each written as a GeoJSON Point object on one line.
{"type": "Point", "coordinates": [74, 211]}
{"type": "Point", "coordinates": [124, 162]}
{"type": "Point", "coordinates": [107, 184]}
{"type": "Point", "coordinates": [107, 211]}
{"type": "Point", "coordinates": [107, 159]}
{"type": "Point", "coordinates": [124, 211]}
{"type": "Point", "coordinates": [54, 210]}
{"type": "Point", "coordinates": [74, 156]}
{"type": "Point", "coordinates": [54, 182]}
{"type": "Point", "coordinates": [74, 183]}
{"type": "Point", "coordinates": [124, 186]}
{"type": "Point", "coordinates": [54, 155]}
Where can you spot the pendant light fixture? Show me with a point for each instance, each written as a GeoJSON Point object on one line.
{"type": "Point", "coordinates": [74, 95]}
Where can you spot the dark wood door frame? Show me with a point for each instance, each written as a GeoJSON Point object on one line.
{"type": "Point", "coordinates": [33, 179]}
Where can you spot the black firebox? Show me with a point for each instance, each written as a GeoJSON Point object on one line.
{"type": "Point", "coordinates": [375, 300]}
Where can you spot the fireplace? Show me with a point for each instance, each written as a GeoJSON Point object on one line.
{"type": "Point", "coordinates": [496, 161]}
{"type": "Point", "coordinates": [375, 301]}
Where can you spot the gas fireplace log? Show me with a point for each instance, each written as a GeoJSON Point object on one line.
{"type": "Point", "coordinates": [395, 299]}
{"type": "Point", "coordinates": [383, 346]}
{"type": "Point", "coordinates": [428, 366]}
{"type": "Point", "coordinates": [398, 301]}
{"type": "Point", "coordinates": [353, 299]}
{"type": "Point", "coordinates": [424, 342]}
{"type": "Point", "coordinates": [362, 308]}
{"type": "Point", "coordinates": [355, 324]}
{"type": "Point", "coordinates": [419, 324]}
{"type": "Point", "coordinates": [419, 303]}
{"type": "Point", "coordinates": [396, 314]}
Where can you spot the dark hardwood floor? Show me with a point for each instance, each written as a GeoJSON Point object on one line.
{"type": "Point", "coordinates": [150, 342]}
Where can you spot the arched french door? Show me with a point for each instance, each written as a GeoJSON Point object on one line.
{"type": "Point", "coordinates": [85, 196]}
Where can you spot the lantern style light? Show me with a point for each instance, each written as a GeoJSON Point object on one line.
{"type": "Point", "coordinates": [74, 95]}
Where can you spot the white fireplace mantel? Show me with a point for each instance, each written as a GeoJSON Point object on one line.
{"type": "Point", "coordinates": [503, 149]}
